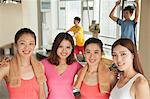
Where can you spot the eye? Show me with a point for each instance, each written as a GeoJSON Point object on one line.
{"type": "Point", "coordinates": [68, 47]}
{"type": "Point", "coordinates": [31, 43]}
{"type": "Point", "coordinates": [123, 54]}
{"type": "Point", "coordinates": [113, 55]}
{"type": "Point", "coordinates": [60, 46]}
{"type": "Point", "coordinates": [96, 52]}
{"type": "Point", "coordinates": [21, 43]}
{"type": "Point", "coordinates": [87, 52]}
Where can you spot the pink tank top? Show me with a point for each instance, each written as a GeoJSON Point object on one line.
{"type": "Point", "coordinates": [29, 89]}
{"type": "Point", "coordinates": [92, 92]}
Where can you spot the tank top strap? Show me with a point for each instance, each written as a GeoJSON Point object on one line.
{"type": "Point", "coordinates": [131, 81]}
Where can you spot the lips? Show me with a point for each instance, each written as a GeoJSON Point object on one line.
{"type": "Point", "coordinates": [64, 54]}
{"type": "Point", "coordinates": [92, 60]}
{"type": "Point", "coordinates": [26, 52]}
{"type": "Point", "coordinates": [121, 64]}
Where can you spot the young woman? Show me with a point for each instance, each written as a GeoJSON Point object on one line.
{"type": "Point", "coordinates": [132, 83]}
{"type": "Point", "coordinates": [24, 75]}
{"type": "Point", "coordinates": [61, 67]}
{"type": "Point", "coordinates": [94, 80]}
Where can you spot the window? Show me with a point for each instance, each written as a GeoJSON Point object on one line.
{"type": "Point", "coordinates": [65, 15]}
{"type": "Point", "coordinates": [90, 10]}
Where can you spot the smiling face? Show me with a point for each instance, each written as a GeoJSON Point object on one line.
{"type": "Point", "coordinates": [122, 57]}
{"type": "Point", "coordinates": [93, 54]}
{"type": "Point", "coordinates": [64, 49]}
{"type": "Point", "coordinates": [25, 45]}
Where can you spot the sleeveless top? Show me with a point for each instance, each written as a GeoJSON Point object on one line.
{"type": "Point", "coordinates": [92, 92]}
{"type": "Point", "coordinates": [29, 89]}
{"type": "Point", "coordinates": [123, 92]}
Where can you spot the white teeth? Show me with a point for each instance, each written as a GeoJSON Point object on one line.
{"type": "Point", "coordinates": [120, 64]}
{"type": "Point", "coordinates": [26, 52]}
{"type": "Point", "coordinates": [63, 54]}
{"type": "Point", "coordinates": [92, 60]}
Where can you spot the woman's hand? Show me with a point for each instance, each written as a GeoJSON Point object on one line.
{"type": "Point", "coordinates": [4, 62]}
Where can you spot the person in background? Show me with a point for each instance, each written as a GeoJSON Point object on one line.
{"type": "Point", "coordinates": [95, 79]}
{"type": "Point", "coordinates": [132, 84]}
{"type": "Point", "coordinates": [79, 36]}
{"type": "Point", "coordinates": [23, 74]}
{"type": "Point", "coordinates": [61, 68]}
{"type": "Point", "coordinates": [127, 25]}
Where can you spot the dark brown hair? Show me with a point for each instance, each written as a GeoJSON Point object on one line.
{"type": "Point", "coordinates": [132, 48]}
{"type": "Point", "coordinates": [53, 57]}
{"type": "Point", "coordinates": [24, 31]}
{"type": "Point", "coordinates": [94, 41]}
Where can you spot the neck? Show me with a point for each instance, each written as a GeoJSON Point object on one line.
{"type": "Point", "coordinates": [128, 19]}
{"type": "Point", "coordinates": [92, 68]}
{"type": "Point", "coordinates": [62, 61]}
{"type": "Point", "coordinates": [76, 24]}
{"type": "Point", "coordinates": [25, 61]}
{"type": "Point", "coordinates": [129, 73]}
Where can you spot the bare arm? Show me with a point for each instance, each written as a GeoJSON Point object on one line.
{"type": "Point", "coordinates": [4, 67]}
{"type": "Point", "coordinates": [113, 78]}
{"type": "Point", "coordinates": [68, 31]}
{"type": "Point", "coordinates": [111, 15]}
{"type": "Point", "coordinates": [76, 34]}
{"type": "Point", "coordinates": [4, 61]}
{"type": "Point", "coordinates": [136, 11]}
{"type": "Point", "coordinates": [4, 72]}
{"type": "Point", "coordinates": [142, 90]}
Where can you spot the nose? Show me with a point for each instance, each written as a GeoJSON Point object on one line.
{"type": "Point", "coordinates": [27, 46]}
{"type": "Point", "coordinates": [119, 59]}
{"type": "Point", "coordinates": [91, 55]}
{"type": "Point", "coordinates": [64, 50]}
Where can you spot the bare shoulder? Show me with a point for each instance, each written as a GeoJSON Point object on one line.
{"type": "Point", "coordinates": [81, 69]}
{"type": "Point", "coordinates": [141, 82]}
{"type": "Point", "coordinates": [42, 66]}
{"type": "Point", "coordinates": [141, 88]}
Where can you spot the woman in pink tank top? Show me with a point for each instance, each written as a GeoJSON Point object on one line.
{"type": "Point", "coordinates": [132, 84]}
{"type": "Point", "coordinates": [61, 68]}
{"type": "Point", "coordinates": [94, 80]}
{"type": "Point", "coordinates": [23, 74]}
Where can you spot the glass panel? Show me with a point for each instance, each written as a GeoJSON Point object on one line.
{"type": "Point", "coordinates": [68, 9]}
{"type": "Point", "coordinates": [62, 15]}
{"type": "Point", "coordinates": [87, 14]}
{"type": "Point", "coordinates": [108, 27]}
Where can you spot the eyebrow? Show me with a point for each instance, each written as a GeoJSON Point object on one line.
{"type": "Point", "coordinates": [25, 41]}
{"type": "Point", "coordinates": [91, 50]}
{"type": "Point", "coordinates": [121, 52]}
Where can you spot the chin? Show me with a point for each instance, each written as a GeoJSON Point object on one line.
{"type": "Point", "coordinates": [94, 64]}
{"type": "Point", "coordinates": [122, 69]}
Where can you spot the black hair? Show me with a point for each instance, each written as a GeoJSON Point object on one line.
{"type": "Point", "coordinates": [77, 18]}
{"type": "Point", "coordinates": [24, 31]}
{"type": "Point", "coordinates": [129, 8]}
